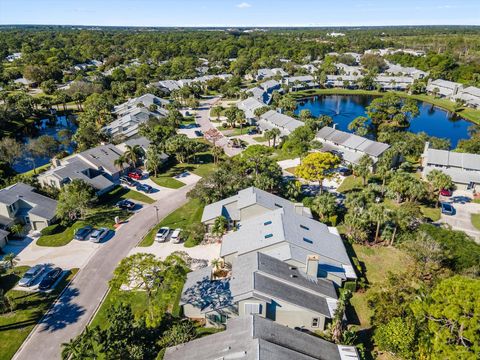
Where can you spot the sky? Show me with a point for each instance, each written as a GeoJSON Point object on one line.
{"type": "Point", "coordinates": [240, 13]}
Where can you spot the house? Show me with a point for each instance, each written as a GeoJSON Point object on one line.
{"type": "Point", "coordinates": [25, 82]}
{"type": "Point", "coordinates": [167, 86]}
{"type": "Point", "coordinates": [396, 69]}
{"type": "Point", "coordinates": [247, 204]}
{"type": "Point", "coordinates": [463, 168]}
{"type": "Point", "coordinates": [350, 147]}
{"type": "Point", "coordinates": [394, 82]}
{"type": "Point", "coordinates": [263, 74]}
{"type": "Point", "coordinates": [310, 68]}
{"type": "Point", "coordinates": [272, 119]}
{"type": "Point", "coordinates": [344, 69]}
{"type": "Point", "coordinates": [14, 56]}
{"type": "Point", "coordinates": [470, 96]}
{"type": "Point", "coordinates": [300, 82]}
{"type": "Point", "coordinates": [249, 106]}
{"type": "Point", "coordinates": [128, 125]}
{"type": "Point", "coordinates": [146, 101]}
{"type": "Point", "coordinates": [20, 203]}
{"type": "Point", "coordinates": [144, 143]}
{"type": "Point", "coordinates": [95, 166]}
{"type": "Point", "coordinates": [443, 88]}
{"type": "Point", "coordinates": [335, 34]}
{"type": "Point", "coordinates": [342, 80]}
{"type": "Point", "coordinates": [263, 285]}
{"type": "Point", "coordinates": [255, 338]}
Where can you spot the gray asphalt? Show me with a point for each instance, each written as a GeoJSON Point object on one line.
{"type": "Point", "coordinates": [78, 303]}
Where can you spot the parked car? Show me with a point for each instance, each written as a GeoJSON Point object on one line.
{"type": "Point", "coordinates": [31, 275]}
{"type": "Point", "coordinates": [127, 181]}
{"type": "Point", "coordinates": [162, 234]}
{"type": "Point", "coordinates": [198, 133]}
{"type": "Point", "coordinates": [175, 237]}
{"type": "Point", "coordinates": [98, 234]}
{"type": "Point", "coordinates": [448, 209]}
{"type": "Point", "coordinates": [126, 204]}
{"type": "Point", "coordinates": [252, 132]}
{"type": "Point", "coordinates": [145, 188]}
{"type": "Point", "coordinates": [50, 278]}
{"type": "Point", "coordinates": [446, 192]}
{"type": "Point", "coordinates": [345, 171]}
{"type": "Point", "coordinates": [136, 174]}
{"type": "Point", "coordinates": [82, 233]}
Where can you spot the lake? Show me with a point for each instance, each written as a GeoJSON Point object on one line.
{"type": "Point", "coordinates": [25, 163]}
{"type": "Point", "coordinates": [344, 108]}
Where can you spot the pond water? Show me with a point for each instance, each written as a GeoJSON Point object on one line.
{"type": "Point", "coordinates": [344, 108]}
{"type": "Point", "coordinates": [45, 128]}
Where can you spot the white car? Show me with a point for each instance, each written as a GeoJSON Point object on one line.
{"type": "Point", "coordinates": [97, 235]}
{"type": "Point", "coordinates": [162, 234]}
{"type": "Point", "coordinates": [176, 236]}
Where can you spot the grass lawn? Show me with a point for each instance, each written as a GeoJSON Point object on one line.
{"type": "Point", "coordinates": [236, 131]}
{"type": "Point", "coordinates": [189, 213]}
{"type": "Point", "coordinates": [259, 138]}
{"type": "Point", "coordinates": [202, 166]}
{"type": "Point", "coordinates": [377, 261]}
{"type": "Point", "coordinates": [431, 213]}
{"type": "Point", "coordinates": [29, 309]}
{"type": "Point", "coordinates": [119, 193]}
{"type": "Point", "coordinates": [38, 170]}
{"type": "Point", "coordinates": [167, 181]}
{"type": "Point", "coordinates": [349, 183]}
{"type": "Point", "coordinates": [476, 221]}
{"type": "Point", "coordinates": [291, 170]}
{"type": "Point", "coordinates": [279, 155]}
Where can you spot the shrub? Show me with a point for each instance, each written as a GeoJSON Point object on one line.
{"type": "Point", "coordinates": [52, 229]}
{"type": "Point", "coordinates": [350, 285]}
{"type": "Point", "coordinates": [194, 234]}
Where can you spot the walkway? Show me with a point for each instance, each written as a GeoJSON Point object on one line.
{"type": "Point", "coordinates": [78, 303]}
{"type": "Point", "coordinates": [202, 118]}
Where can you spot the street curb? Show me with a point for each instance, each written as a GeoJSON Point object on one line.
{"type": "Point", "coordinates": [27, 339]}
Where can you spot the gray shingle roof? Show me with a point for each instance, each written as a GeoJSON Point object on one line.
{"type": "Point", "coordinates": [256, 338]}
{"type": "Point", "coordinates": [42, 206]}
{"type": "Point", "coordinates": [103, 157]}
{"type": "Point", "coordinates": [284, 122]}
{"type": "Point", "coordinates": [352, 141]}
{"type": "Point", "coordinates": [453, 159]}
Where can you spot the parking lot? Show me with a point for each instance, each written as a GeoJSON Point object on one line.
{"type": "Point", "coordinates": [464, 208]}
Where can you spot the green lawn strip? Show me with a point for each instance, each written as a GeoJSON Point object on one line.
{"type": "Point", "coordinates": [467, 113]}
{"type": "Point", "coordinates": [350, 183]}
{"type": "Point", "coordinates": [29, 309]}
{"type": "Point", "coordinates": [236, 131]}
{"type": "Point", "coordinates": [119, 193]}
{"type": "Point", "coordinates": [279, 155]}
{"type": "Point", "coordinates": [259, 138]}
{"type": "Point", "coordinates": [431, 213]}
{"type": "Point", "coordinates": [167, 181]}
{"type": "Point", "coordinates": [185, 215]}
{"type": "Point", "coordinates": [37, 170]}
{"type": "Point", "coordinates": [202, 166]}
{"type": "Point", "coordinates": [99, 218]}
{"type": "Point", "coordinates": [378, 261]}
{"type": "Point", "coordinates": [476, 221]}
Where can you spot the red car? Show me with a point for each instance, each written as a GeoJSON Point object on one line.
{"type": "Point", "coordinates": [137, 175]}
{"type": "Point", "coordinates": [446, 192]}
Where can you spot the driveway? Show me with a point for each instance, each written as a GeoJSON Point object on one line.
{"type": "Point", "coordinates": [73, 255]}
{"type": "Point", "coordinates": [203, 119]}
{"type": "Point", "coordinates": [461, 220]}
{"type": "Point", "coordinates": [77, 304]}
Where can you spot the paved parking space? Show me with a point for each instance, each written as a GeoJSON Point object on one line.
{"type": "Point", "coordinates": [73, 255]}
{"type": "Point", "coordinates": [189, 130]}
{"type": "Point", "coordinates": [34, 286]}
{"type": "Point", "coordinates": [464, 208]}
{"type": "Point", "coordinates": [188, 178]}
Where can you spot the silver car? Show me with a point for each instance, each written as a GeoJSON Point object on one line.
{"type": "Point", "coordinates": [162, 234]}
{"type": "Point", "coordinates": [31, 275]}
{"type": "Point", "coordinates": [98, 234]}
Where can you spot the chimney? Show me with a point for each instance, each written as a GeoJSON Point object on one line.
{"type": "Point", "coordinates": [312, 265]}
{"type": "Point", "coordinates": [55, 162]}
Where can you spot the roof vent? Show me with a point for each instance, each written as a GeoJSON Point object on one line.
{"type": "Point", "coordinates": [292, 267]}
{"type": "Point", "coordinates": [293, 276]}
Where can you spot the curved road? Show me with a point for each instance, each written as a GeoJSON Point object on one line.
{"type": "Point", "coordinates": [78, 303]}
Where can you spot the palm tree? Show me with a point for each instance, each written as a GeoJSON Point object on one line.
{"type": "Point", "coordinates": [216, 263]}
{"type": "Point", "coordinates": [378, 214]}
{"type": "Point", "coordinates": [439, 180]}
{"type": "Point", "coordinates": [132, 154]}
{"type": "Point", "coordinates": [275, 133]}
{"type": "Point", "coordinates": [267, 135]}
{"type": "Point", "coordinates": [11, 259]}
{"type": "Point", "coordinates": [217, 151]}
{"type": "Point", "coordinates": [120, 162]}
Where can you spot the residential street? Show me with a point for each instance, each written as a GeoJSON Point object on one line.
{"type": "Point", "coordinates": [203, 113]}
{"type": "Point", "coordinates": [78, 303]}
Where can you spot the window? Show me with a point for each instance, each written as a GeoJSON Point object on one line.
{"type": "Point", "coordinates": [267, 223]}
{"type": "Point", "coordinates": [315, 322]}
{"type": "Point", "coordinates": [268, 236]}
{"type": "Point", "coordinates": [308, 240]}
{"type": "Point", "coordinates": [304, 227]}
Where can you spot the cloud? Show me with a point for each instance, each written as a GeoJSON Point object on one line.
{"type": "Point", "coordinates": [243, 5]}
